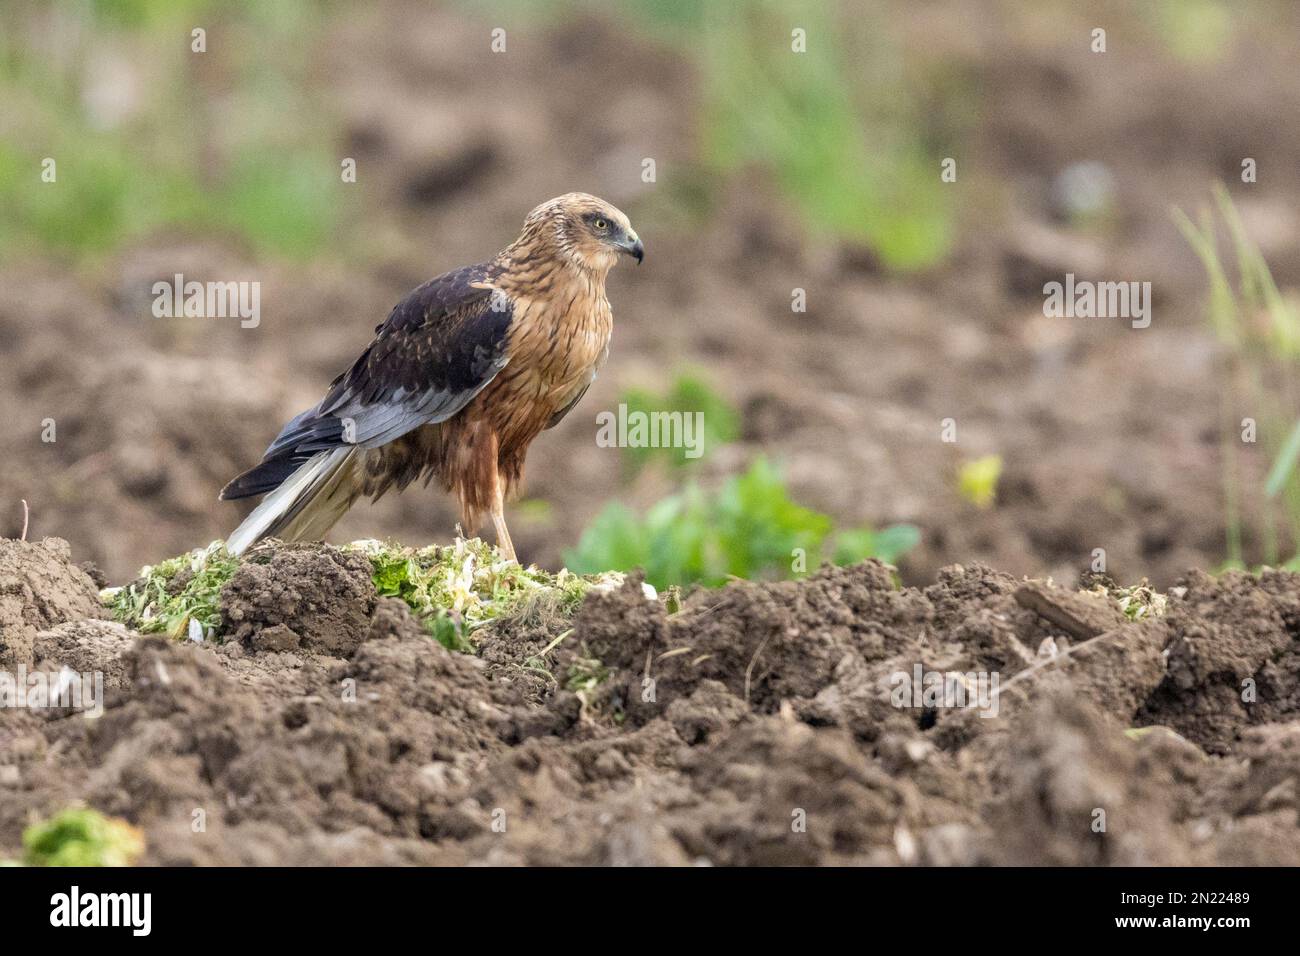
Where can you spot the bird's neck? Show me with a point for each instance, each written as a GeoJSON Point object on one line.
{"type": "Point", "coordinates": [527, 270]}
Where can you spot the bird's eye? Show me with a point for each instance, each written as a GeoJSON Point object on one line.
{"type": "Point", "coordinates": [601, 225]}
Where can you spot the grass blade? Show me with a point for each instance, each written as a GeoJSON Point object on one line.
{"type": "Point", "coordinates": [1284, 464]}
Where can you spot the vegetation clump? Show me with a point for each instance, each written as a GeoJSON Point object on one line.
{"type": "Point", "coordinates": [80, 836]}
{"type": "Point", "coordinates": [1259, 329]}
{"type": "Point", "coordinates": [749, 528]}
{"type": "Point", "coordinates": [178, 597]}
{"type": "Point", "coordinates": [459, 588]}
{"type": "Point", "coordinates": [1138, 601]}
{"type": "Point", "coordinates": [453, 589]}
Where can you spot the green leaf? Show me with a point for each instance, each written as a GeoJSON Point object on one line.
{"type": "Point", "coordinates": [977, 481]}
{"type": "Point", "coordinates": [391, 576]}
{"type": "Point", "coordinates": [449, 632]}
{"type": "Point", "coordinates": [895, 541]}
{"type": "Point", "coordinates": [888, 544]}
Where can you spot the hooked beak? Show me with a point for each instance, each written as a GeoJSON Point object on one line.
{"type": "Point", "coordinates": [632, 246]}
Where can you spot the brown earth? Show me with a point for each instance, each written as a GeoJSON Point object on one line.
{"type": "Point", "coordinates": [1111, 435]}
{"type": "Point", "coordinates": [753, 726]}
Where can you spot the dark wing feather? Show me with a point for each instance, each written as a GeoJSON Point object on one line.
{"type": "Point", "coordinates": [577, 397]}
{"type": "Point", "coordinates": [438, 348]}
{"type": "Point", "coordinates": [559, 415]}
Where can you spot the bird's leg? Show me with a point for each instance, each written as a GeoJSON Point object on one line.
{"type": "Point", "coordinates": [504, 544]}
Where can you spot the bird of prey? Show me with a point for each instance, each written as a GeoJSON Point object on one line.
{"type": "Point", "coordinates": [459, 379]}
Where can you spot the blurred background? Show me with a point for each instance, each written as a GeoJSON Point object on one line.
{"type": "Point", "coordinates": [752, 170]}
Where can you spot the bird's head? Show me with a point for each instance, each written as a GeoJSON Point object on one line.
{"type": "Point", "coordinates": [584, 230]}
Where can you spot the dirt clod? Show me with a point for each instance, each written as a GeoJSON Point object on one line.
{"type": "Point", "coordinates": [319, 599]}
{"type": "Point", "coordinates": [39, 588]}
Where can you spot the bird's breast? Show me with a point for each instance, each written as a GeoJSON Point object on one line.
{"type": "Point", "coordinates": [556, 345]}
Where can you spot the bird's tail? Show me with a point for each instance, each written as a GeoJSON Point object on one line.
{"type": "Point", "coordinates": [306, 504]}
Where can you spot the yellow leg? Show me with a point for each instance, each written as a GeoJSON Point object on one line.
{"type": "Point", "coordinates": [504, 544]}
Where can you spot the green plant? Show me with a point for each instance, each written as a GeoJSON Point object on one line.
{"type": "Point", "coordinates": [749, 528]}
{"type": "Point", "coordinates": [977, 480]}
{"type": "Point", "coordinates": [886, 544]}
{"type": "Point", "coordinates": [1284, 465]}
{"type": "Point", "coordinates": [168, 595]}
{"type": "Point", "coordinates": [80, 836]}
{"type": "Point", "coordinates": [139, 149]}
{"type": "Point", "coordinates": [1198, 32]}
{"type": "Point", "coordinates": [1138, 601]}
{"type": "Point", "coordinates": [690, 394]}
{"type": "Point", "coordinates": [459, 588]}
{"type": "Point", "coordinates": [1260, 330]}
{"type": "Point", "coordinates": [453, 589]}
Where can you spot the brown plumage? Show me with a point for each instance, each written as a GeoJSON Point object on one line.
{"type": "Point", "coordinates": [466, 371]}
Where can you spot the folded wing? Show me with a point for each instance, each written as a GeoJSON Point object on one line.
{"type": "Point", "coordinates": [438, 348]}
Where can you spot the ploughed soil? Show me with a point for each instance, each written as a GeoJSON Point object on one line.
{"type": "Point", "coordinates": [1111, 435]}
{"type": "Point", "coordinates": [755, 724]}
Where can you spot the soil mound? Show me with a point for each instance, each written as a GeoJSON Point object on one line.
{"type": "Point", "coordinates": [39, 587]}
{"type": "Point", "coordinates": [757, 724]}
